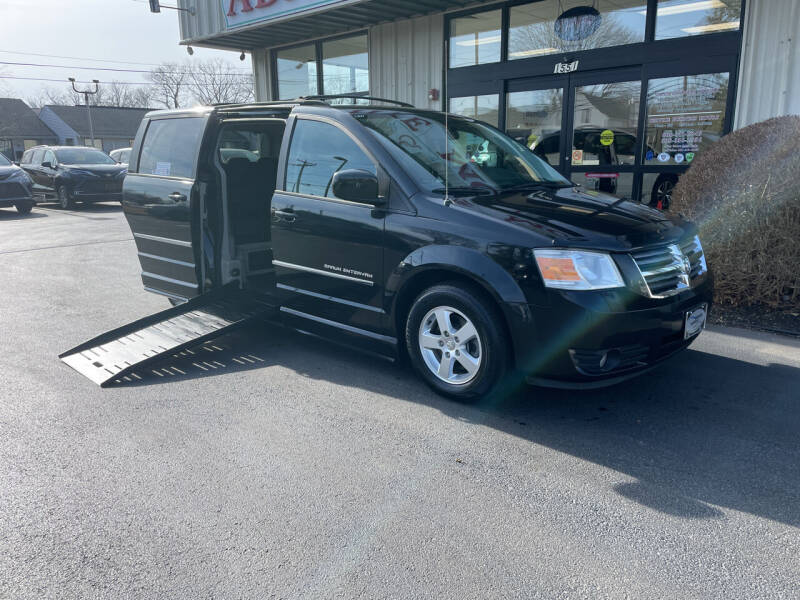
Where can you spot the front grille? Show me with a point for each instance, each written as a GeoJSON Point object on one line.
{"type": "Point", "coordinates": [98, 186]}
{"type": "Point", "coordinates": [12, 189]}
{"type": "Point", "coordinates": [669, 270]}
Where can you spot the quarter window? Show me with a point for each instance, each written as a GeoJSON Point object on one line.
{"type": "Point", "coordinates": [170, 147]}
{"type": "Point", "coordinates": [317, 152]}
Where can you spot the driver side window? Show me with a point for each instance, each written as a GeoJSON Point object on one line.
{"type": "Point", "coordinates": [317, 152]}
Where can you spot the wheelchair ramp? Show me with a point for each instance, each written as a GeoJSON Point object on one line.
{"type": "Point", "coordinates": [115, 354]}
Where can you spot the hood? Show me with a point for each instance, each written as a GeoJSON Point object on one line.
{"type": "Point", "coordinates": [99, 170]}
{"type": "Point", "coordinates": [8, 171]}
{"type": "Point", "coordinates": [584, 219]}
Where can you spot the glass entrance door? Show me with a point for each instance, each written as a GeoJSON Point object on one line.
{"type": "Point", "coordinates": [603, 121]}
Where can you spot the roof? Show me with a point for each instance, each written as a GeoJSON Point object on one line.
{"type": "Point", "coordinates": [17, 119]}
{"type": "Point", "coordinates": [108, 121]}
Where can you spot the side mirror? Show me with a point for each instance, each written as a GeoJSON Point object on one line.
{"type": "Point", "coordinates": [356, 185]}
{"type": "Point", "coordinates": [47, 164]}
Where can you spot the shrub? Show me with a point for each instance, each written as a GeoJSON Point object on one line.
{"type": "Point", "coordinates": [744, 194]}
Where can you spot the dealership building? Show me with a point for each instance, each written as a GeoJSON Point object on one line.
{"type": "Point", "coordinates": [619, 95]}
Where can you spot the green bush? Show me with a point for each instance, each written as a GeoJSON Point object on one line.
{"type": "Point", "coordinates": [744, 193]}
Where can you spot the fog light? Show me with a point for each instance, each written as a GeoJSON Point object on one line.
{"type": "Point", "coordinates": [610, 360]}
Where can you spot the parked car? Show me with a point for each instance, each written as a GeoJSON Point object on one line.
{"type": "Point", "coordinates": [476, 259]}
{"type": "Point", "coordinates": [16, 188]}
{"type": "Point", "coordinates": [121, 155]}
{"type": "Point", "coordinates": [74, 173]}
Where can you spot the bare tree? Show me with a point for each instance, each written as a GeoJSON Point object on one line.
{"type": "Point", "coordinates": [171, 82]}
{"type": "Point", "coordinates": [215, 81]}
{"type": "Point", "coordinates": [53, 95]}
{"type": "Point", "coordinates": [120, 94]}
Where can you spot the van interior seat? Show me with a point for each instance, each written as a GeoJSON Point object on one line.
{"type": "Point", "coordinates": [250, 189]}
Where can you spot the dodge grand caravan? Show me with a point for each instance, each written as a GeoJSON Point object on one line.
{"type": "Point", "coordinates": [411, 232]}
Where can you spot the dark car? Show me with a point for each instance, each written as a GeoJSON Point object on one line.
{"type": "Point", "coordinates": [476, 259]}
{"type": "Point", "coordinates": [74, 173]}
{"type": "Point", "coordinates": [16, 188]}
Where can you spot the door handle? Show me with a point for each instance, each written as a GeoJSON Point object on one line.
{"type": "Point", "coordinates": [177, 197]}
{"type": "Point", "coordinates": [286, 214]}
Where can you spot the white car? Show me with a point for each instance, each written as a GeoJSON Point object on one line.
{"type": "Point", "coordinates": [121, 155]}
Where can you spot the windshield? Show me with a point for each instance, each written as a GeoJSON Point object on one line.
{"type": "Point", "coordinates": [83, 156]}
{"type": "Point", "coordinates": [480, 157]}
{"type": "Point", "coordinates": [4, 162]}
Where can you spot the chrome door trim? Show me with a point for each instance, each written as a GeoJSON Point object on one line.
{"type": "Point", "coordinates": [156, 238]}
{"type": "Point", "coordinates": [170, 280]}
{"type": "Point", "coordinates": [280, 263]}
{"type": "Point", "coordinates": [343, 326]}
{"type": "Point", "coordinates": [173, 261]}
{"type": "Point", "coordinates": [329, 298]}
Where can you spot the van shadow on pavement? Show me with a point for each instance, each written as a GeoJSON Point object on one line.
{"type": "Point", "coordinates": [699, 432]}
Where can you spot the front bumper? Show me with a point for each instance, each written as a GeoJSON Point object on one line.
{"type": "Point", "coordinates": [564, 343]}
{"type": "Point", "coordinates": [10, 202]}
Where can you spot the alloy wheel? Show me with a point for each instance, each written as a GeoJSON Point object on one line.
{"type": "Point", "coordinates": [450, 345]}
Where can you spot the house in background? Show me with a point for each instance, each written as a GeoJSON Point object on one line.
{"type": "Point", "coordinates": [21, 129]}
{"type": "Point", "coordinates": [114, 127]}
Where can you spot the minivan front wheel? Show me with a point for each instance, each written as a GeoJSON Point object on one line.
{"type": "Point", "coordinates": [65, 198]}
{"type": "Point", "coordinates": [456, 342]}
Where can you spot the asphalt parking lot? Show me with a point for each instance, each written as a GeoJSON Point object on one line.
{"type": "Point", "coordinates": [286, 467]}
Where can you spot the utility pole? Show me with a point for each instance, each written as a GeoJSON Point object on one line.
{"type": "Point", "coordinates": [86, 94]}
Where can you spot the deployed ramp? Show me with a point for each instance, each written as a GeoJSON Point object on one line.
{"type": "Point", "coordinates": [114, 354]}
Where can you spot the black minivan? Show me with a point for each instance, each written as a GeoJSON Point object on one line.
{"type": "Point", "coordinates": [411, 232]}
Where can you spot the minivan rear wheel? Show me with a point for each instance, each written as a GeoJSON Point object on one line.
{"type": "Point", "coordinates": [456, 342]}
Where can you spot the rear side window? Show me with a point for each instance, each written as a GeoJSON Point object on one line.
{"type": "Point", "coordinates": [317, 152]}
{"type": "Point", "coordinates": [170, 147]}
{"type": "Point", "coordinates": [37, 156]}
{"type": "Point", "coordinates": [26, 157]}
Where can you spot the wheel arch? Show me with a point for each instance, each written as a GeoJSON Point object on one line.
{"type": "Point", "coordinates": [429, 266]}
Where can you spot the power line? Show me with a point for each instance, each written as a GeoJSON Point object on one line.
{"type": "Point", "coordinates": [92, 68]}
{"type": "Point", "coordinates": [183, 84]}
{"type": "Point", "coordinates": [102, 60]}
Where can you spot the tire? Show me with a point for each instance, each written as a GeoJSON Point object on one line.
{"type": "Point", "coordinates": [475, 365]}
{"type": "Point", "coordinates": [65, 200]}
{"type": "Point", "coordinates": [661, 196]}
{"type": "Point", "coordinates": [24, 208]}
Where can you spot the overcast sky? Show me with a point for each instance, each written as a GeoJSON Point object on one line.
{"type": "Point", "coordinates": [97, 30]}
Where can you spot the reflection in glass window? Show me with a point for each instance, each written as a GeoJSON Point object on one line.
{"type": "Point", "coordinates": [345, 66]}
{"type": "Point", "coordinates": [605, 123]}
{"type": "Point", "coordinates": [317, 152]}
{"type": "Point", "coordinates": [483, 108]}
{"type": "Point", "coordinates": [619, 185]}
{"type": "Point", "coordinates": [297, 72]}
{"type": "Point", "coordinates": [684, 116]}
{"type": "Point", "coordinates": [170, 147]}
{"type": "Point", "coordinates": [536, 29]}
{"type": "Point", "coordinates": [534, 119]}
{"type": "Point", "coordinates": [475, 39]}
{"type": "Point", "coordinates": [679, 18]}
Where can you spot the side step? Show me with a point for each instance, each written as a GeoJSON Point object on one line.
{"type": "Point", "coordinates": [114, 354]}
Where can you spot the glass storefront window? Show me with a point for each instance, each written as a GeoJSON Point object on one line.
{"type": "Point", "coordinates": [345, 65]}
{"type": "Point", "coordinates": [680, 18]}
{"type": "Point", "coordinates": [533, 118]}
{"type": "Point", "coordinates": [685, 115]}
{"type": "Point", "coordinates": [483, 108]}
{"type": "Point", "coordinates": [605, 124]}
{"type": "Point", "coordinates": [619, 185]}
{"type": "Point", "coordinates": [297, 72]}
{"type": "Point", "coordinates": [475, 39]}
{"type": "Point", "coordinates": [550, 27]}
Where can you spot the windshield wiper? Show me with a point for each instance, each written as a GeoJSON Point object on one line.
{"type": "Point", "coordinates": [534, 185]}
{"type": "Point", "coordinates": [464, 190]}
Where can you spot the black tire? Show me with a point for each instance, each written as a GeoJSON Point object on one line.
{"type": "Point", "coordinates": [65, 200]}
{"type": "Point", "coordinates": [662, 191]}
{"type": "Point", "coordinates": [24, 208]}
{"type": "Point", "coordinates": [490, 339]}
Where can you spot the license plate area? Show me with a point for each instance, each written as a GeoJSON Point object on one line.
{"type": "Point", "coordinates": [695, 321]}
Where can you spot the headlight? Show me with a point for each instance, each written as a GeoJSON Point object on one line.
{"type": "Point", "coordinates": [578, 270]}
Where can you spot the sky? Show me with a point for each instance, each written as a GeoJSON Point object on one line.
{"type": "Point", "coordinates": [94, 31]}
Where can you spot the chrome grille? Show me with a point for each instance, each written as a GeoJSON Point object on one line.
{"type": "Point", "coordinates": [669, 270]}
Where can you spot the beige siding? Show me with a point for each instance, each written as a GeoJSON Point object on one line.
{"type": "Point", "coordinates": [405, 60]}
{"type": "Point", "coordinates": [769, 82]}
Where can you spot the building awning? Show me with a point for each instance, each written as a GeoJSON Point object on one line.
{"type": "Point", "coordinates": [338, 17]}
